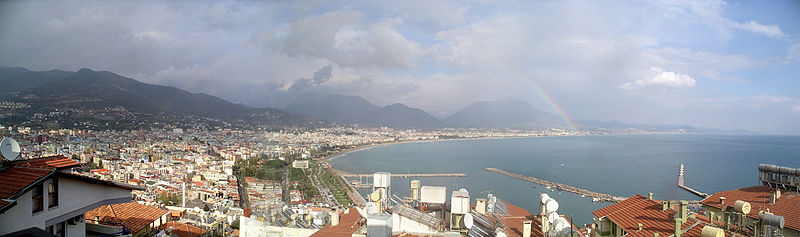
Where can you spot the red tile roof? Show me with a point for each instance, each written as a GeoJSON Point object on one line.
{"type": "Point", "coordinates": [184, 230]}
{"type": "Point", "coordinates": [639, 209]}
{"type": "Point", "coordinates": [517, 215]}
{"type": "Point", "coordinates": [347, 225]}
{"type": "Point", "coordinates": [133, 215]}
{"type": "Point", "coordinates": [21, 174]}
{"type": "Point", "coordinates": [788, 205]}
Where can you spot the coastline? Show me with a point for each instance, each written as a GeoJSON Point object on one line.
{"type": "Point", "coordinates": [328, 158]}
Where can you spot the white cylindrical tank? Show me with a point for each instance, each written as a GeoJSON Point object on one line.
{"type": "Point", "coordinates": [709, 231]}
{"type": "Point", "coordinates": [741, 206]}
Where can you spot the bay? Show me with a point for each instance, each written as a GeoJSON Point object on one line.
{"type": "Point", "coordinates": [621, 165]}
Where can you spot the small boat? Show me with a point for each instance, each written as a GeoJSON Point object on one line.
{"type": "Point", "coordinates": [595, 199]}
{"type": "Point", "coordinates": [562, 164]}
{"type": "Point", "coordinates": [548, 188]}
{"type": "Point", "coordinates": [583, 195]}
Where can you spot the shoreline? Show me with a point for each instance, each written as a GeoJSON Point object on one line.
{"type": "Point", "coordinates": [328, 158]}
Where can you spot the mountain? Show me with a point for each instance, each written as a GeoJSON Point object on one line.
{"type": "Point", "coordinates": [94, 98]}
{"type": "Point", "coordinates": [16, 79]}
{"type": "Point", "coordinates": [401, 116]}
{"type": "Point", "coordinates": [357, 110]}
{"type": "Point", "coordinates": [334, 108]}
{"type": "Point", "coordinates": [507, 113]}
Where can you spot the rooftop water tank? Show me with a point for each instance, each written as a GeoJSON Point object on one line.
{"type": "Point", "coordinates": [381, 179]}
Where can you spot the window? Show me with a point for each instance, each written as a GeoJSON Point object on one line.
{"type": "Point", "coordinates": [57, 229]}
{"type": "Point", "coordinates": [52, 194]}
{"type": "Point", "coordinates": [38, 199]}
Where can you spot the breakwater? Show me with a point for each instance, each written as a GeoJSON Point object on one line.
{"type": "Point", "coordinates": [599, 196]}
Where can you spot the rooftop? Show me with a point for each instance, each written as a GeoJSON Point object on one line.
{"type": "Point", "coordinates": [788, 205]}
{"type": "Point", "coordinates": [133, 215]}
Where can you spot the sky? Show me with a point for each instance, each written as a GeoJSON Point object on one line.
{"type": "Point", "coordinates": [714, 64]}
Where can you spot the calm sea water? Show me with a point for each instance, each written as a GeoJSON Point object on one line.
{"type": "Point", "coordinates": [619, 165]}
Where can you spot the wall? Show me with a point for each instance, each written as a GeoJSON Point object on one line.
{"type": "Point", "coordinates": [74, 198]}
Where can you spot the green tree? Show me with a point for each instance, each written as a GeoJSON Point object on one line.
{"type": "Point", "coordinates": [235, 224]}
{"type": "Point", "coordinates": [206, 208]}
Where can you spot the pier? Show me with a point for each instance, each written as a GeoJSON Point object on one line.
{"type": "Point", "coordinates": [599, 196]}
{"type": "Point", "coordinates": [681, 184]}
{"type": "Point", "coordinates": [348, 175]}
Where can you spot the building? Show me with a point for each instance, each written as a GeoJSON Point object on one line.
{"type": "Point", "coordinates": [722, 207]}
{"type": "Point", "coordinates": [640, 216]}
{"type": "Point", "coordinates": [133, 217]}
{"type": "Point", "coordinates": [300, 164]}
{"type": "Point", "coordinates": [42, 194]}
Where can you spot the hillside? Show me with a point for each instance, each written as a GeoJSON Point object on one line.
{"type": "Point", "coordinates": [93, 99]}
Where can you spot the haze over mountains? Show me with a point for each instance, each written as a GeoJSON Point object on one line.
{"type": "Point", "coordinates": [87, 96]}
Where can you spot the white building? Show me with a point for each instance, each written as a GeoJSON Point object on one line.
{"type": "Point", "coordinates": [41, 194]}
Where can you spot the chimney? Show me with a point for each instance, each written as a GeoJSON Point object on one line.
{"type": "Point", "coordinates": [684, 212]}
{"type": "Point", "coordinates": [721, 200]}
{"type": "Point", "coordinates": [678, 223]}
{"type": "Point", "coordinates": [480, 206]}
{"type": "Point", "coordinates": [665, 205]}
{"type": "Point", "coordinates": [650, 196]}
{"type": "Point", "coordinates": [640, 226]}
{"type": "Point", "coordinates": [526, 228]}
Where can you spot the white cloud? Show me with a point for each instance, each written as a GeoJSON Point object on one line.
{"type": "Point", "coordinates": [344, 39]}
{"type": "Point", "coordinates": [772, 31]}
{"type": "Point", "coordinates": [662, 79]}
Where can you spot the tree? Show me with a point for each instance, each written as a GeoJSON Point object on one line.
{"type": "Point", "coordinates": [206, 208]}
{"type": "Point", "coordinates": [235, 224]}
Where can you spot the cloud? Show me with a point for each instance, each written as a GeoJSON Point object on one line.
{"type": "Point", "coordinates": [793, 53]}
{"type": "Point", "coordinates": [700, 63]}
{"type": "Point", "coordinates": [662, 79]}
{"type": "Point", "coordinates": [344, 39]}
{"type": "Point", "coordinates": [772, 31]}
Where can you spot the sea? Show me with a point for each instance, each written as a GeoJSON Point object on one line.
{"type": "Point", "coordinates": [622, 165]}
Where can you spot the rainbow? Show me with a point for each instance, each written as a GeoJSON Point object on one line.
{"type": "Point", "coordinates": [542, 94]}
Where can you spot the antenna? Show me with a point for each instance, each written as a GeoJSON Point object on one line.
{"type": "Point", "coordinates": [10, 149]}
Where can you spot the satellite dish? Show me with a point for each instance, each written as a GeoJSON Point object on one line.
{"type": "Point", "coordinates": [561, 224]}
{"type": "Point", "coordinates": [468, 221]}
{"type": "Point", "coordinates": [543, 197]}
{"type": "Point", "coordinates": [500, 233]}
{"type": "Point", "coordinates": [551, 205]}
{"type": "Point", "coordinates": [362, 212]}
{"type": "Point", "coordinates": [552, 217]}
{"type": "Point", "coordinates": [370, 208]}
{"type": "Point", "coordinates": [10, 149]}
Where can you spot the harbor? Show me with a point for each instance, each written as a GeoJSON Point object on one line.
{"type": "Point", "coordinates": [583, 192]}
